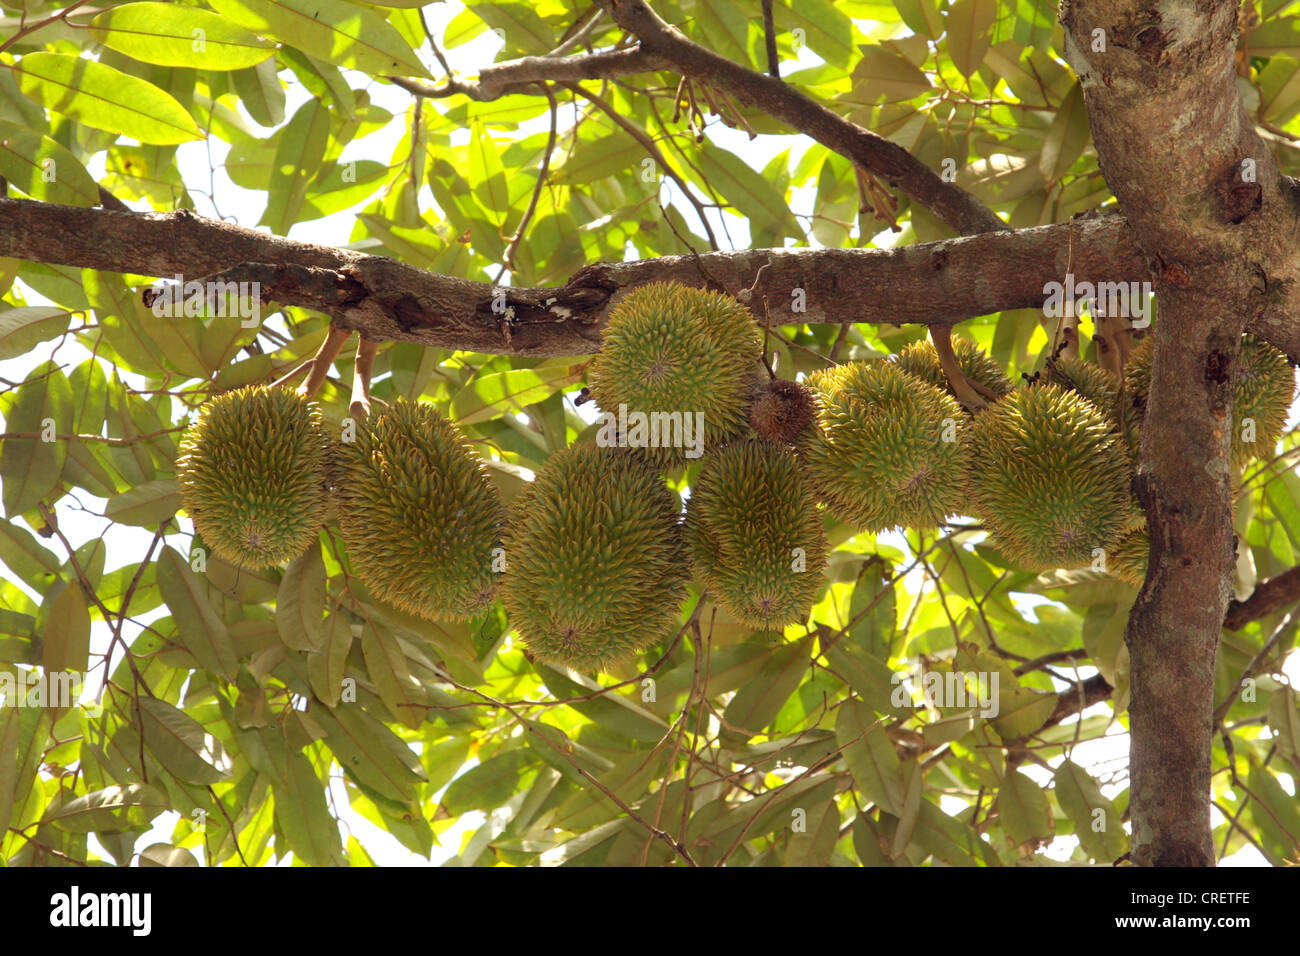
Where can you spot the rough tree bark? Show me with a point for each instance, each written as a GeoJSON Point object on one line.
{"type": "Point", "coordinates": [1216, 220]}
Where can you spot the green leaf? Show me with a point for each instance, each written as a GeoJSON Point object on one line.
{"type": "Point", "coordinates": [99, 96]}
{"type": "Point", "coordinates": [884, 73]}
{"type": "Point", "coordinates": [302, 813]}
{"type": "Point", "coordinates": [751, 194]}
{"type": "Point", "coordinates": [111, 809]}
{"type": "Point", "coordinates": [10, 727]}
{"type": "Point", "coordinates": [489, 396]}
{"type": "Point", "coordinates": [44, 170]}
{"type": "Point", "coordinates": [326, 669]}
{"type": "Point", "coordinates": [261, 93]}
{"type": "Point", "coordinates": [24, 555]}
{"type": "Point", "coordinates": [1023, 811]}
{"type": "Point", "coordinates": [826, 30]}
{"type": "Point", "coordinates": [814, 842]}
{"type": "Point", "coordinates": [181, 744]}
{"type": "Point", "coordinates": [1284, 721]}
{"type": "Point", "coordinates": [373, 755]}
{"type": "Point", "coordinates": [146, 505]}
{"type": "Point", "coordinates": [67, 631]}
{"type": "Point", "coordinates": [758, 702]}
{"type": "Point", "coordinates": [386, 663]}
{"type": "Point", "coordinates": [1100, 834]}
{"type": "Point", "coordinates": [171, 35]}
{"type": "Point", "coordinates": [969, 23]}
{"type": "Point", "coordinates": [1066, 137]}
{"type": "Point", "coordinates": [301, 601]}
{"type": "Point", "coordinates": [488, 785]}
{"type": "Point", "coordinates": [298, 154]}
{"type": "Point", "coordinates": [30, 467]}
{"type": "Point", "coordinates": [164, 854]}
{"type": "Point", "coordinates": [870, 755]}
{"type": "Point", "coordinates": [202, 632]}
{"type": "Point", "coordinates": [335, 31]}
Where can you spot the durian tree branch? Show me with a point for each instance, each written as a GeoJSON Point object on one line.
{"type": "Point", "coordinates": [515, 76]}
{"type": "Point", "coordinates": [949, 202]}
{"type": "Point", "coordinates": [1273, 594]}
{"type": "Point", "coordinates": [1210, 210]}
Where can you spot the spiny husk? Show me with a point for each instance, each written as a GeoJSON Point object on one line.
{"type": "Point", "coordinates": [1262, 393]}
{"type": "Point", "coordinates": [418, 513]}
{"type": "Point", "coordinates": [755, 536]}
{"type": "Point", "coordinates": [251, 474]}
{"type": "Point", "coordinates": [781, 411]}
{"type": "Point", "coordinates": [596, 566]}
{"type": "Point", "coordinates": [1127, 560]}
{"type": "Point", "coordinates": [887, 449]}
{"type": "Point", "coordinates": [671, 348]}
{"type": "Point", "coordinates": [1086, 380]}
{"type": "Point", "coordinates": [921, 359]}
{"type": "Point", "coordinates": [1048, 478]}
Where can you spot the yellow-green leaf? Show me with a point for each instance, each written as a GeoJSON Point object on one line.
{"type": "Point", "coordinates": [145, 505]}
{"type": "Point", "coordinates": [98, 95]}
{"type": "Point", "coordinates": [30, 466]}
{"type": "Point", "coordinates": [181, 744]}
{"type": "Point", "coordinates": [172, 35]}
{"type": "Point", "coordinates": [345, 34]}
{"type": "Point", "coordinates": [202, 632]}
{"type": "Point", "coordinates": [67, 631]}
{"type": "Point", "coordinates": [110, 810]}
{"type": "Point", "coordinates": [44, 170]}
{"type": "Point", "coordinates": [301, 601]}
{"type": "Point", "coordinates": [969, 23]}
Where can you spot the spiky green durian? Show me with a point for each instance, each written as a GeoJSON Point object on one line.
{"type": "Point", "coordinates": [670, 349]}
{"type": "Point", "coordinates": [596, 565]}
{"type": "Point", "coordinates": [1085, 379]}
{"type": "Point", "coordinates": [781, 410]}
{"type": "Point", "coordinates": [1127, 559]}
{"type": "Point", "coordinates": [920, 359]}
{"type": "Point", "coordinates": [755, 536]}
{"type": "Point", "coordinates": [419, 515]}
{"type": "Point", "coordinates": [251, 474]}
{"type": "Point", "coordinates": [886, 448]}
{"type": "Point", "coordinates": [1048, 478]}
{"type": "Point", "coordinates": [1261, 395]}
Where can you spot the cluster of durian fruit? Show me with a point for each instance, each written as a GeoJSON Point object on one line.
{"type": "Point", "coordinates": [597, 553]}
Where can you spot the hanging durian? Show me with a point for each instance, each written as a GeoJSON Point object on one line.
{"type": "Point", "coordinates": [886, 448]}
{"type": "Point", "coordinates": [596, 567]}
{"type": "Point", "coordinates": [421, 519]}
{"type": "Point", "coordinates": [670, 349]}
{"type": "Point", "coordinates": [756, 539]}
{"type": "Point", "coordinates": [1048, 478]}
{"type": "Point", "coordinates": [251, 474]}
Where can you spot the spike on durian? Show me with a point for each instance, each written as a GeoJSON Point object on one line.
{"type": "Point", "coordinates": [596, 565]}
{"type": "Point", "coordinates": [418, 513]}
{"type": "Point", "coordinates": [886, 448]}
{"type": "Point", "coordinates": [920, 359]}
{"type": "Point", "coordinates": [669, 348]}
{"type": "Point", "coordinates": [756, 538]}
{"type": "Point", "coordinates": [251, 474]}
{"type": "Point", "coordinates": [1048, 478]}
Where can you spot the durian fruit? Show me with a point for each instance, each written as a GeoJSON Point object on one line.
{"type": "Point", "coordinates": [781, 410]}
{"type": "Point", "coordinates": [1127, 560]}
{"type": "Point", "coordinates": [920, 359]}
{"type": "Point", "coordinates": [595, 561]}
{"type": "Point", "coordinates": [1085, 379]}
{"type": "Point", "coordinates": [887, 449]}
{"type": "Point", "coordinates": [669, 348]}
{"type": "Point", "coordinates": [251, 474]}
{"type": "Point", "coordinates": [1262, 393]}
{"type": "Point", "coordinates": [419, 515]}
{"type": "Point", "coordinates": [1048, 478]}
{"type": "Point", "coordinates": [755, 536]}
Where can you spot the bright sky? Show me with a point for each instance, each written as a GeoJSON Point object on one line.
{"type": "Point", "coordinates": [199, 161]}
